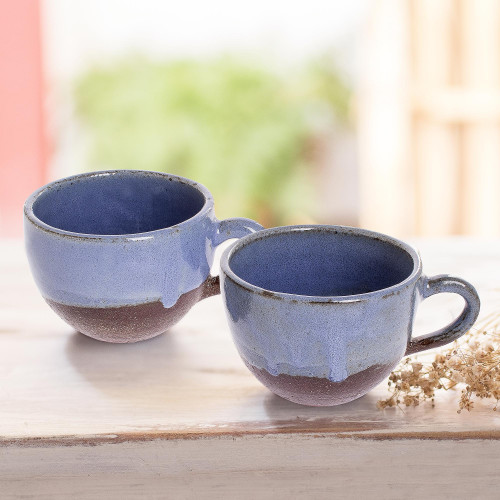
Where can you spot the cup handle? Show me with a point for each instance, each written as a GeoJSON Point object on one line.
{"type": "Point", "coordinates": [447, 284]}
{"type": "Point", "coordinates": [226, 229]}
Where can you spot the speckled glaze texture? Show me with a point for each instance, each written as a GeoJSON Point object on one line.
{"type": "Point", "coordinates": [123, 255]}
{"type": "Point", "coordinates": [322, 314]}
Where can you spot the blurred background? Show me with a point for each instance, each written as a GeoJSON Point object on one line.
{"type": "Point", "coordinates": [383, 114]}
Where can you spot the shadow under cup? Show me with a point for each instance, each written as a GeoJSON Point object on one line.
{"type": "Point", "coordinates": [321, 314]}
{"type": "Point", "coordinates": [121, 255]}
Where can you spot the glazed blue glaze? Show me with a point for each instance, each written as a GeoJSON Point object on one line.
{"type": "Point", "coordinates": [119, 238]}
{"type": "Point", "coordinates": [330, 301]}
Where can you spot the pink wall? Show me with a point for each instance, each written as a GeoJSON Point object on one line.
{"type": "Point", "coordinates": [23, 151]}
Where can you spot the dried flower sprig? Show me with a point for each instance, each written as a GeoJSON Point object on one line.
{"type": "Point", "coordinates": [472, 364]}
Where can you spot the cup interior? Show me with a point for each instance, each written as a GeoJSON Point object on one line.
{"type": "Point", "coordinates": [320, 262]}
{"type": "Point", "coordinates": [118, 203]}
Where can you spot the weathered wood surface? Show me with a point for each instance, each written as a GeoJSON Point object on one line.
{"type": "Point", "coordinates": [181, 414]}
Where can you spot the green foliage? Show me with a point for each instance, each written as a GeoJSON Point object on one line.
{"type": "Point", "coordinates": [237, 128]}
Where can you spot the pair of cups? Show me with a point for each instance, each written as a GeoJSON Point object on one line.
{"type": "Point", "coordinates": [319, 314]}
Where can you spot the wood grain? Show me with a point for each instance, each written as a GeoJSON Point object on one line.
{"type": "Point", "coordinates": [269, 467]}
{"type": "Point", "coordinates": [78, 416]}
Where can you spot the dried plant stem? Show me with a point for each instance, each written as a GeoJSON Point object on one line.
{"type": "Point", "coordinates": [472, 363]}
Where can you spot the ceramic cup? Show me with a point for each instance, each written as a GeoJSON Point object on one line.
{"type": "Point", "coordinates": [322, 314]}
{"type": "Point", "coordinates": [122, 255]}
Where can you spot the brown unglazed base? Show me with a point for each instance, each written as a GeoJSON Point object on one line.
{"type": "Point", "coordinates": [315, 391]}
{"type": "Point", "coordinates": [131, 323]}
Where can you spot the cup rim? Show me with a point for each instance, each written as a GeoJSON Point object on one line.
{"type": "Point", "coordinates": [30, 215]}
{"type": "Point", "coordinates": [312, 299]}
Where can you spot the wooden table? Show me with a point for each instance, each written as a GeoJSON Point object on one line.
{"type": "Point", "coordinates": [179, 416]}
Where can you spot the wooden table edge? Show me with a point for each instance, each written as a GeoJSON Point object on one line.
{"type": "Point", "coordinates": [149, 437]}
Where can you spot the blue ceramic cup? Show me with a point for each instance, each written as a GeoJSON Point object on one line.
{"type": "Point", "coordinates": [322, 314]}
{"type": "Point", "coordinates": [122, 255]}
